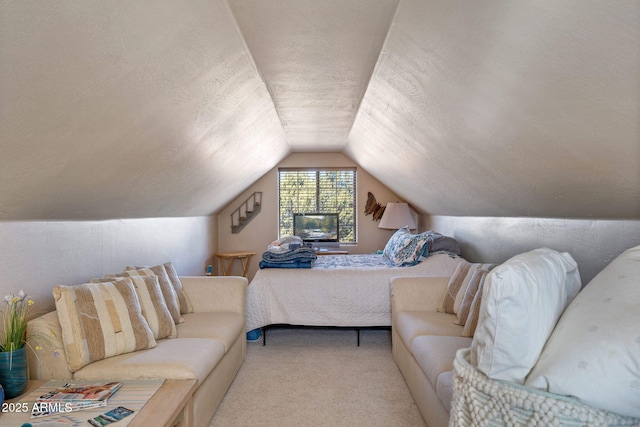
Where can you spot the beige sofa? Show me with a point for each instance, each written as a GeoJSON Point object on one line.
{"type": "Point", "coordinates": [210, 347]}
{"type": "Point", "coordinates": [424, 344]}
{"type": "Point", "coordinates": [536, 353]}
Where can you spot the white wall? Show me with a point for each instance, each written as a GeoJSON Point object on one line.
{"type": "Point", "coordinates": [263, 229]}
{"type": "Point", "coordinates": [592, 243]}
{"type": "Point", "coordinates": [35, 256]}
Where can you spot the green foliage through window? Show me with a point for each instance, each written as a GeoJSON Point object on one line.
{"type": "Point", "coordinates": [318, 191]}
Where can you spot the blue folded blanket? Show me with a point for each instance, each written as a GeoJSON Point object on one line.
{"type": "Point", "coordinates": [303, 257]}
{"type": "Point", "coordinates": [302, 264]}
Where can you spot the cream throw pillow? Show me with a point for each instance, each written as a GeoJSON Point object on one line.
{"type": "Point", "coordinates": [594, 351]}
{"type": "Point", "coordinates": [462, 281]}
{"type": "Point", "coordinates": [474, 286]}
{"type": "Point", "coordinates": [169, 293]}
{"type": "Point", "coordinates": [471, 323]}
{"type": "Point", "coordinates": [185, 303]}
{"type": "Point", "coordinates": [100, 320]}
{"type": "Point", "coordinates": [522, 300]}
{"type": "Point", "coordinates": [154, 308]}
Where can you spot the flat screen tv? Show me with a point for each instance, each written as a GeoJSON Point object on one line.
{"type": "Point", "coordinates": [316, 227]}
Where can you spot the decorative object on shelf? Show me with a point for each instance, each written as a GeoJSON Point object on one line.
{"type": "Point", "coordinates": [247, 210]}
{"type": "Point", "coordinates": [396, 216]}
{"type": "Point", "coordinates": [14, 375]}
{"type": "Point", "coordinates": [372, 207]}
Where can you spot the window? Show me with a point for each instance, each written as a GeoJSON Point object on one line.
{"type": "Point", "coordinates": [318, 191]}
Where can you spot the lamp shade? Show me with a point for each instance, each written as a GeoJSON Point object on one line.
{"type": "Point", "coordinates": [396, 216]}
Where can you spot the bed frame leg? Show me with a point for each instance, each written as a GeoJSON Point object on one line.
{"type": "Point", "coordinates": [358, 335]}
{"type": "Point", "coordinates": [264, 335]}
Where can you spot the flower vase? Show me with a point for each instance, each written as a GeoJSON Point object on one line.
{"type": "Point", "coordinates": [14, 372]}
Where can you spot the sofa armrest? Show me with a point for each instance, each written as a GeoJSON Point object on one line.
{"type": "Point", "coordinates": [45, 349]}
{"type": "Point", "coordinates": [216, 293]}
{"type": "Point", "coordinates": [417, 293]}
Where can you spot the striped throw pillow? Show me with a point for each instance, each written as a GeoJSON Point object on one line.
{"type": "Point", "coordinates": [474, 285]}
{"type": "Point", "coordinates": [100, 320]}
{"type": "Point", "coordinates": [458, 284]}
{"type": "Point", "coordinates": [471, 323]}
{"type": "Point", "coordinates": [185, 303]}
{"type": "Point", "coordinates": [169, 293]}
{"type": "Point", "coordinates": [154, 308]}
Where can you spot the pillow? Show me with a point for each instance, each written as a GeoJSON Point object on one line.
{"type": "Point", "coordinates": [438, 242]}
{"type": "Point", "coordinates": [168, 292]}
{"type": "Point", "coordinates": [100, 320]}
{"type": "Point", "coordinates": [152, 304]}
{"type": "Point", "coordinates": [457, 287]}
{"type": "Point", "coordinates": [594, 352]}
{"type": "Point", "coordinates": [183, 299]}
{"type": "Point", "coordinates": [522, 300]}
{"type": "Point", "coordinates": [154, 307]}
{"type": "Point", "coordinates": [473, 287]}
{"type": "Point", "coordinates": [471, 323]}
{"type": "Point", "coordinates": [404, 249]}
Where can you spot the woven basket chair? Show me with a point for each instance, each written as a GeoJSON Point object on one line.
{"type": "Point", "coordinates": [480, 401]}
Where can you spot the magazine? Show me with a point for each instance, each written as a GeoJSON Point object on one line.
{"type": "Point", "coordinates": [74, 397]}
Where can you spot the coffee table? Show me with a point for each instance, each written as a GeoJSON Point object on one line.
{"type": "Point", "coordinates": [170, 406]}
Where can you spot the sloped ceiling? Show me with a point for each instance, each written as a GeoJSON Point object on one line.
{"type": "Point", "coordinates": [163, 108]}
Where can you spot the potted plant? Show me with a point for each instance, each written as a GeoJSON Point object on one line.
{"type": "Point", "coordinates": [14, 375]}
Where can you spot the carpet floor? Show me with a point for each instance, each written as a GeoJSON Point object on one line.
{"type": "Point", "coordinates": [319, 377]}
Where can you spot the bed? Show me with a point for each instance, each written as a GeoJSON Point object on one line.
{"type": "Point", "coordinates": [339, 290]}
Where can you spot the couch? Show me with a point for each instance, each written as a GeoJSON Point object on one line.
{"type": "Point", "coordinates": [424, 344]}
{"type": "Point", "coordinates": [531, 349]}
{"type": "Point", "coordinates": [210, 346]}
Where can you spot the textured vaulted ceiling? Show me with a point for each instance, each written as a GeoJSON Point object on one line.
{"type": "Point", "coordinates": [164, 108]}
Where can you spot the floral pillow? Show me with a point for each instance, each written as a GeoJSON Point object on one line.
{"type": "Point", "coordinates": [404, 249]}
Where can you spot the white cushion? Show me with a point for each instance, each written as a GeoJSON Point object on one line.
{"type": "Point", "coordinates": [594, 352]}
{"type": "Point", "coordinates": [522, 300]}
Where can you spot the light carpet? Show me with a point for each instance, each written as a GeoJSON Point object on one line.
{"type": "Point", "coordinates": [319, 377]}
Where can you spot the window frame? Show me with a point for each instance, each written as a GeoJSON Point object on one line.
{"type": "Point", "coordinates": [282, 230]}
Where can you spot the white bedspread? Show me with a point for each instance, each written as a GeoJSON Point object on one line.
{"type": "Point", "coordinates": [340, 290]}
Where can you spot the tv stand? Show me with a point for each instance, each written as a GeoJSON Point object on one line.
{"type": "Point", "coordinates": [331, 252]}
{"type": "Point", "coordinates": [324, 246]}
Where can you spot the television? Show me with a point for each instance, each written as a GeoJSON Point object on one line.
{"type": "Point", "coordinates": [316, 227]}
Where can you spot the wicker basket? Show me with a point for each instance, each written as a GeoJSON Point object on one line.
{"type": "Point", "coordinates": [480, 401]}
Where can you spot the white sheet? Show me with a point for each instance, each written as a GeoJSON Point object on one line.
{"type": "Point", "coordinates": [340, 296]}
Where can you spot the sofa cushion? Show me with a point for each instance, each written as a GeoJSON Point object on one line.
{"type": "Point", "coordinates": [169, 293]}
{"type": "Point", "coordinates": [100, 320]}
{"type": "Point", "coordinates": [594, 351]}
{"type": "Point", "coordinates": [223, 326]}
{"type": "Point", "coordinates": [410, 324]}
{"type": "Point", "coordinates": [444, 389]}
{"type": "Point", "coordinates": [522, 300]}
{"type": "Point", "coordinates": [180, 358]}
{"type": "Point", "coordinates": [434, 354]}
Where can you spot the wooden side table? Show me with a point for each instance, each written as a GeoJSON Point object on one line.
{"type": "Point", "coordinates": [228, 258]}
